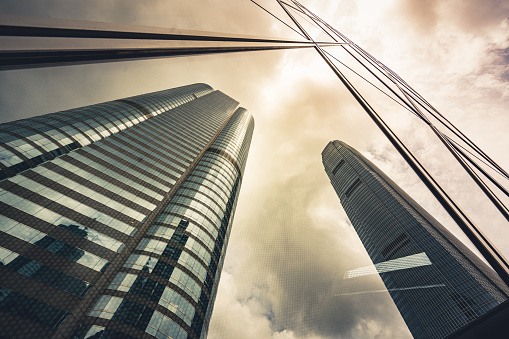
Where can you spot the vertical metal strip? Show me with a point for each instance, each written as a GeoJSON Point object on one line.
{"type": "Point", "coordinates": [489, 252]}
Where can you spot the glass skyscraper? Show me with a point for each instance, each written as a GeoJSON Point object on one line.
{"type": "Point", "coordinates": [436, 282]}
{"type": "Point", "coordinates": [115, 217]}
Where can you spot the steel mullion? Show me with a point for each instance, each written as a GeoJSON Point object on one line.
{"type": "Point", "coordinates": [293, 29]}
{"type": "Point", "coordinates": [381, 66]}
{"type": "Point", "coordinates": [481, 160]}
{"type": "Point", "coordinates": [297, 9]}
{"type": "Point", "coordinates": [463, 137]}
{"type": "Point", "coordinates": [32, 59]}
{"type": "Point", "coordinates": [482, 185]}
{"type": "Point", "coordinates": [359, 61]}
{"type": "Point", "coordinates": [110, 32]}
{"type": "Point", "coordinates": [479, 168]}
{"type": "Point", "coordinates": [371, 71]}
{"type": "Point", "coordinates": [372, 60]}
{"type": "Point", "coordinates": [369, 82]}
{"type": "Point", "coordinates": [416, 109]}
{"type": "Point", "coordinates": [494, 258]}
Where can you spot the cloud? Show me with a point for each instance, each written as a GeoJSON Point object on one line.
{"type": "Point", "coordinates": [234, 318]}
{"type": "Point", "coordinates": [420, 15]}
{"type": "Point", "coordinates": [291, 238]}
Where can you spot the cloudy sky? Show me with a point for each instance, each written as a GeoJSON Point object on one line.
{"type": "Point", "coordinates": [292, 242]}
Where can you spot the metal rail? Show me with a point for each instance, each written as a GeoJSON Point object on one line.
{"type": "Point", "coordinates": [94, 42]}
{"type": "Point", "coordinates": [480, 241]}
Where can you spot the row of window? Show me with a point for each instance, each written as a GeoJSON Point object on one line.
{"type": "Point", "coordinates": [131, 155]}
{"type": "Point", "coordinates": [112, 174]}
{"type": "Point", "coordinates": [179, 123]}
{"type": "Point", "coordinates": [177, 276]}
{"type": "Point", "coordinates": [169, 99]}
{"type": "Point", "coordinates": [159, 247]}
{"type": "Point", "coordinates": [219, 164]}
{"type": "Point", "coordinates": [52, 217]}
{"type": "Point", "coordinates": [7, 158]}
{"type": "Point", "coordinates": [16, 131]}
{"type": "Point", "coordinates": [237, 138]}
{"type": "Point", "coordinates": [53, 178]}
{"type": "Point", "coordinates": [209, 176]}
{"type": "Point", "coordinates": [210, 183]}
{"type": "Point", "coordinates": [159, 325]}
{"type": "Point", "coordinates": [192, 244]}
{"type": "Point", "coordinates": [83, 175]}
{"type": "Point", "coordinates": [189, 188]}
{"type": "Point", "coordinates": [138, 150]}
{"type": "Point", "coordinates": [117, 160]}
{"type": "Point", "coordinates": [226, 168]}
{"type": "Point", "coordinates": [168, 145]}
{"type": "Point", "coordinates": [50, 276]}
{"type": "Point", "coordinates": [162, 327]}
{"type": "Point", "coordinates": [213, 212]}
{"type": "Point", "coordinates": [81, 125]}
{"type": "Point", "coordinates": [78, 131]}
{"type": "Point", "coordinates": [208, 172]}
{"type": "Point", "coordinates": [31, 309]}
{"type": "Point", "coordinates": [167, 139]}
{"type": "Point", "coordinates": [190, 123]}
{"type": "Point", "coordinates": [56, 219]}
{"type": "Point", "coordinates": [218, 108]}
{"type": "Point", "coordinates": [24, 147]}
{"type": "Point", "coordinates": [197, 231]}
{"type": "Point", "coordinates": [191, 214]}
{"type": "Point", "coordinates": [51, 244]}
{"type": "Point", "coordinates": [152, 290]}
{"type": "Point", "coordinates": [212, 175]}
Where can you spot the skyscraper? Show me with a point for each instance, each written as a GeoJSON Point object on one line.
{"type": "Point", "coordinates": [436, 282]}
{"type": "Point", "coordinates": [115, 217]}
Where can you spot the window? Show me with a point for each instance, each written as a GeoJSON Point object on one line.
{"type": "Point", "coordinates": [338, 166]}
{"type": "Point", "coordinates": [28, 308]}
{"type": "Point", "coordinates": [352, 187]}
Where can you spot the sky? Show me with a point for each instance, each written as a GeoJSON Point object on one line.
{"type": "Point", "coordinates": [291, 241]}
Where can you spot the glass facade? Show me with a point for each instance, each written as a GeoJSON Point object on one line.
{"type": "Point", "coordinates": [115, 217]}
{"type": "Point", "coordinates": [436, 282]}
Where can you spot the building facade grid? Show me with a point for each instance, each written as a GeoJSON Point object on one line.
{"type": "Point", "coordinates": [115, 217]}
{"type": "Point", "coordinates": [446, 291]}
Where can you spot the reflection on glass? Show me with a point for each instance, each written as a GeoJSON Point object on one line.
{"type": "Point", "coordinates": [43, 273]}
{"type": "Point", "coordinates": [51, 244]}
{"type": "Point", "coordinates": [31, 309]}
{"type": "Point", "coordinates": [410, 261]}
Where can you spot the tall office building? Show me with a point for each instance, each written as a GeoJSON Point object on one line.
{"type": "Point", "coordinates": [115, 217]}
{"type": "Point", "coordinates": [436, 282]}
